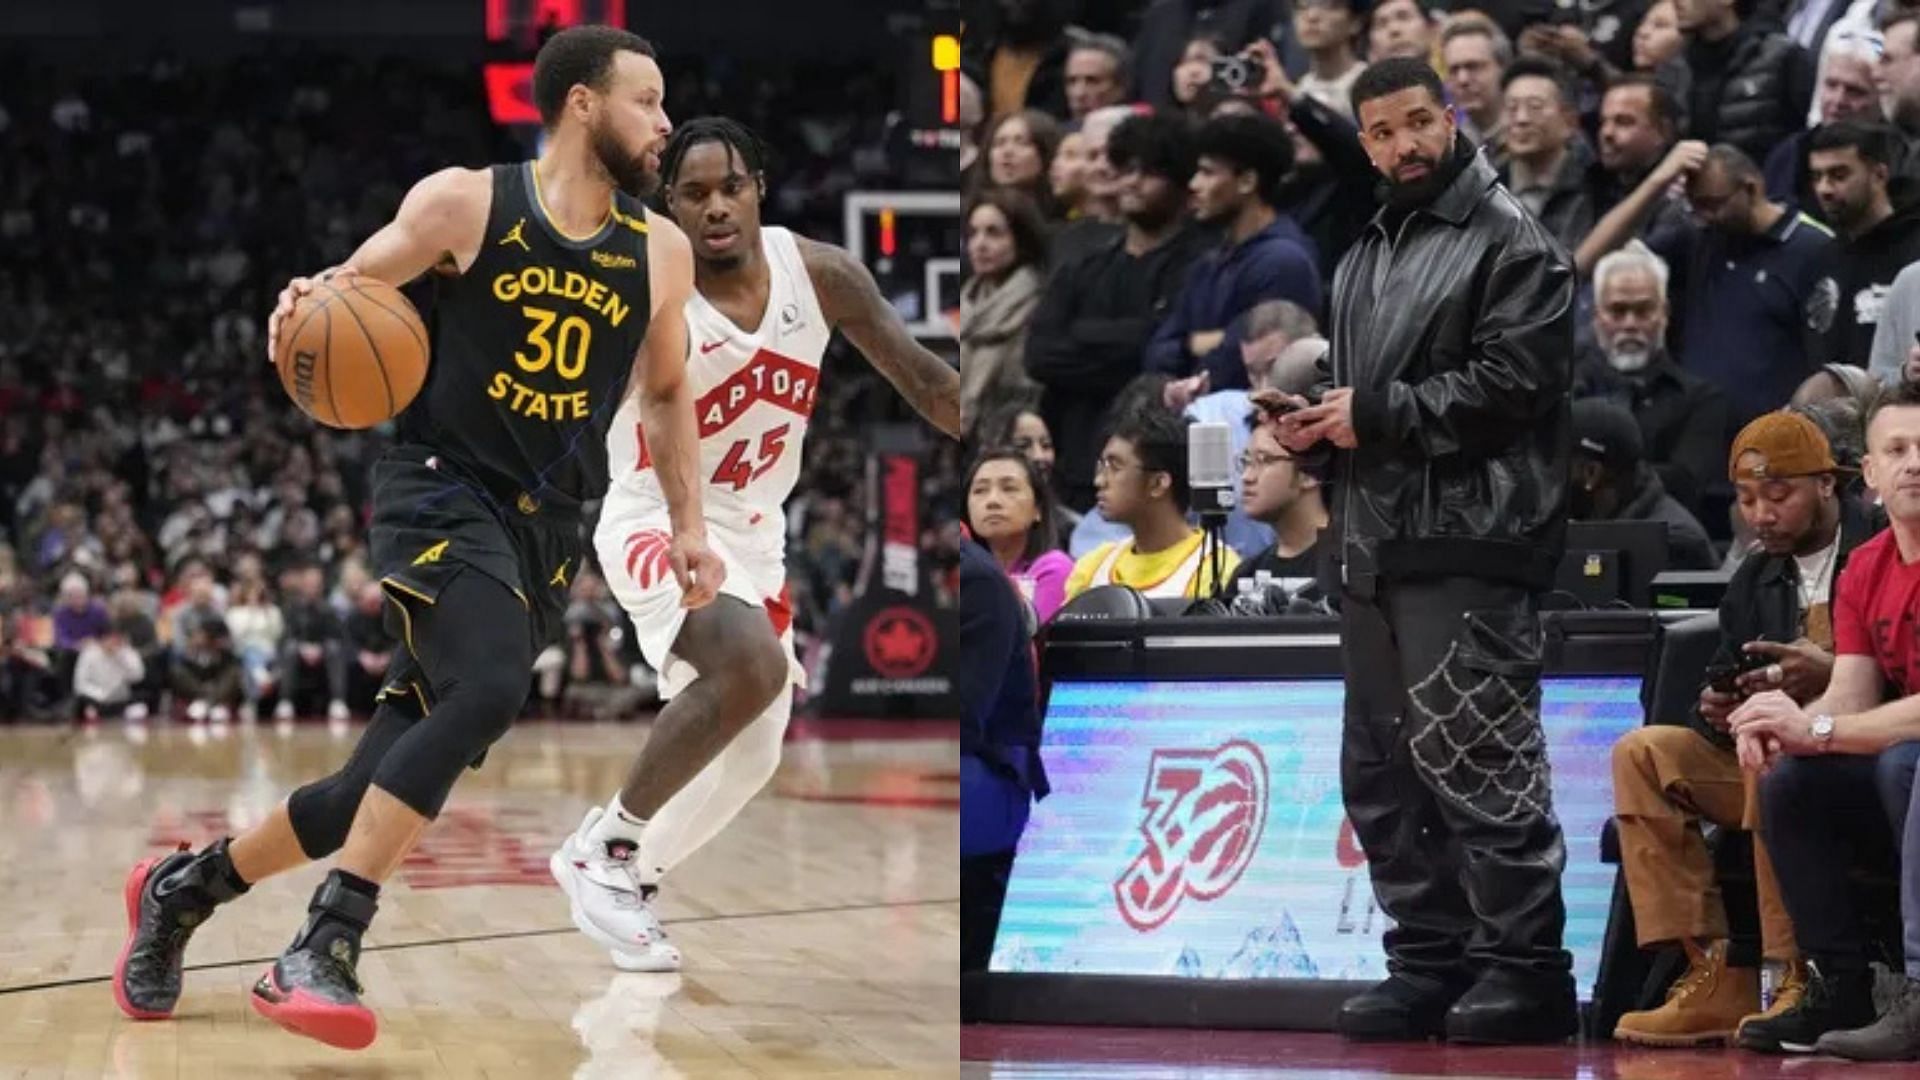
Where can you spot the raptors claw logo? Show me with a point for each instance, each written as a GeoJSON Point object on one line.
{"type": "Point", "coordinates": [1205, 810]}
{"type": "Point", "coordinates": [648, 556]}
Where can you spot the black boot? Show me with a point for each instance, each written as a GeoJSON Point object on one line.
{"type": "Point", "coordinates": [1508, 1006]}
{"type": "Point", "coordinates": [167, 899]}
{"type": "Point", "coordinates": [1840, 1001]}
{"type": "Point", "coordinates": [313, 989]}
{"type": "Point", "coordinates": [1405, 1007]}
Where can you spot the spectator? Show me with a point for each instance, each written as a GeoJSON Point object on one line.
{"type": "Point", "coordinates": [1749, 86]}
{"type": "Point", "coordinates": [1822, 765]}
{"type": "Point", "coordinates": [1896, 337]}
{"type": "Point", "coordinates": [1020, 150]}
{"type": "Point", "coordinates": [1612, 482]}
{"type": "Point", "coordinates": [1809, 22]}
{"type": "Point", "coordinates": [105, 675]}
{"type": "Point", "coordinates": [1321, 193]}
{"type": "Point", "coordinates": [1669, 776]}
{"type": "Point", "coordinates": [1851, 167]}
{"type": "Point", "coordinates": [1169, 29]}
{"type": "Point", "coordinates": [1015, 54]}
{"type": "Point", "coordinates": [312, 661]}
{"type": "Point", "coordinates": [1328, 30]}
{"type": "Point", "coordinates": [1265, 332]}
{"type": "Point", "coordinates": [1639, 121]}
{"type": "Point", "coordinates": [1475, 54]}
{"type": "Point", "coordinates": [1846, 92]}
{"type": "Point", "coordinates": [206, 674]}
{"type": "Point", "coordinates": [1099, 71]}
{"type": "Point", "coordinates": [1658, 40]}
{"type": "Point", "coordinates": [1193, 74]}
{"type": "Point", "coordinates": [1549, 167]}
{"type": "Point", "coordinates": [1010, 513]}
{"type": "Point", "coordinates": [370, 647]}
{"type": "Point", "coordinates": [258, 626]}
{"type": "Point", "coordinates": [1007, 256]}
{"type": "Point", "coordinates": [1142, 479]}
{"type": "Point", "coordinates": [1264, 256]}
{"type": "Point", "coordinates": [1682, 417]}
{"type": "Point", "coordinates": [1067, 176]}
{"type": "Point", "coordinates": [1000, 768]}
{"type": "Point", "coordinates": [1098, 312]}
{"type": "Point", "coordinates": [1100, 219]}
{"type": "Point", "coordinates": [1399, 28]}
{"type": "Point", "coordinates": [1287, 493]}
{"type": "Point", "coordinates": [79, 617]}
{"type": "Point", "coordinates": [1750, 278]}
{"type": "Point", "coordinates": [1898, 76]}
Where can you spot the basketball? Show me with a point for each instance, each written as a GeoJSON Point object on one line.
{"type": "Point", "coordinates": [353, 353]}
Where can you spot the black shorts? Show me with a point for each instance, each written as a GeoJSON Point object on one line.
{"type": "Point", "coordinates": [432, 522]}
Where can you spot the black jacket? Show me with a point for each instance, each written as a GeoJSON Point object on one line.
{"type": "Point", "coordinates": [1456, 335]}
{"type": "Point", "coordinates": [1864, 268]}
{"type": "Point", "coordinates": [1751, 90]}
{"type": "Point", "coordinates": [1573, 202]}
{"type": "Point", "coordinates": [1763, 599]}
{"type": "Point", "coordinates": [1683, 418]}
{"type": "Point", "coordinates": [1688, 547]}
{"type": "Point", "coordinates": [995, 678]}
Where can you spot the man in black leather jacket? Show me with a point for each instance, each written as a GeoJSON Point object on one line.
{"type": "Point", "coordinates": [1447, 387]}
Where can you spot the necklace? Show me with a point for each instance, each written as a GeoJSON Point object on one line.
{"type": "Point", "coordinates": [1809, 584]}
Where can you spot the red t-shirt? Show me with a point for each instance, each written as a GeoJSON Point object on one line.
{"type": "Point", "coordinates": [1874, 611]}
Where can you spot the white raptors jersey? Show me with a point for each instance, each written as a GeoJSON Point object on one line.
{"type": "Point", "coordinates": [753, 392]}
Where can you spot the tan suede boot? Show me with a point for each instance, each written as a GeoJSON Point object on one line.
{"type": "Point", "coordinates": [1704, 1006]}
{"type": "Point", "coordinates": [1793, 987]}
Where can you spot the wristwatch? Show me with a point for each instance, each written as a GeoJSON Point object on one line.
{"type": "Point", "coordinates": [1822, 732]}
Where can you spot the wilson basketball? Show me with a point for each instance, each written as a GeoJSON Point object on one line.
{"type": "Point", "coordinates": [353, 352]}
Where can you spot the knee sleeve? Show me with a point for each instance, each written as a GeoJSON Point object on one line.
{"type": "Point", "coordinates": [322, 812]}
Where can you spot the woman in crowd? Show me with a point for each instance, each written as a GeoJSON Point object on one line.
{"type": "Point", "coordinates": [1658, 38]}
{"type": "Point", "coordinates": [1010, 513]}
{"type": "Point", "coordinates": [1019, 150]}
{"type": "Point", "coordinates": [1007, 255]}
{"type": "Point", "coordinates": [1194, 71]}
{"type": "Point", "coordinates": [1018, 424]}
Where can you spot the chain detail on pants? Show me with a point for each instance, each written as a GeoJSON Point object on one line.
{"type": "Point", "coordinates": [1465, 750]}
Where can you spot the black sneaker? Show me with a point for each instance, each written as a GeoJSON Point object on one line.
{"type": "Point", "coordinates": [167, 899]}
{"type": "Point", "coordinates": [1893, 1037]}
{"type": "Point", "coordinates": [313, 989]}
{"type": "Point", "coordinates": [1842, 1001]}
{"type": "Point", "coordinates": [1403, 1008]}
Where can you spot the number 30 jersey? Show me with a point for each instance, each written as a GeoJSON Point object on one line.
{"type": "Point", "coordinates": [753, 392]}
{"type": "Point", "coordinates": [532, 347]}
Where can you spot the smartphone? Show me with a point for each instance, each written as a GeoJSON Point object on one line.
{"type": "Point", "coordinates": [1722, 678]}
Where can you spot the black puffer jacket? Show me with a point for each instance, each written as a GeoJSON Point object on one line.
{"type": "Point", "coordinates": [1751, 90]}
{"type": "Point", "coordinates": [1456, 334]}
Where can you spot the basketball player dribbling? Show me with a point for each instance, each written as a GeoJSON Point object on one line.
{"type": "Point", "coordinates": [766, 302]}
{"type": "Point", "coordinates": [556, 289]}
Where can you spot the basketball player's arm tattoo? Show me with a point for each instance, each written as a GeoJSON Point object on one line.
{"type": "Point", "coordinates": [853, 304]}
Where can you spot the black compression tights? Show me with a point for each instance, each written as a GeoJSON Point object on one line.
{"type": "Point", "coordinates": [476, 646]}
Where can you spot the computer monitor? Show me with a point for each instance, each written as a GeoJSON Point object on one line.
{"type": "Point", "coordinates": [1196, 830]}
{"type": "Point", "coordinates": [1612, 562]}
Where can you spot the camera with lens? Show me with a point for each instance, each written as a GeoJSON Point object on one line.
{"type": "Point", "coordinates": [1236, 75]}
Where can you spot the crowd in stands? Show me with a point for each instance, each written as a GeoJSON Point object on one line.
{"type": "Point", "coordinates": [1158, 197]}
{"type": "Point", "coordinates": [1158, 200]}
{"type": "Point", "coordinates": [174, 534]}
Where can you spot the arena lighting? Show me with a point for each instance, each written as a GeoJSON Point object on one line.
{"type": "Point", "coordinates": [510, 94]}
{"type": "Point", "coordinates": [505, 17]}
{"type": "Point", "coordinates": [946, 53]}
{"type": "Point", "coordinates": [889, 243]}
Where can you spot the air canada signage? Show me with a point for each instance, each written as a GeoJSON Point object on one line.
{"type": "Point", "coordinates": [891, 649]}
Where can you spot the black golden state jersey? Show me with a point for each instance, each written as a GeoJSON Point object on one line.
{"type": "Point", "coordinates": [532, 347]}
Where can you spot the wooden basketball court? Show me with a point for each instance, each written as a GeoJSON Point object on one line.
{"type": "Point", "coordinates": [821, 931]}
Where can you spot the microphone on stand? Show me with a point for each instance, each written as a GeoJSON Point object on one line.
{"type": "Point", "coordinates": [1210, 478]}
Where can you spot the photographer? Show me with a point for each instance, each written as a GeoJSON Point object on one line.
{"type": "Point", "coordinates": [1667, 778]}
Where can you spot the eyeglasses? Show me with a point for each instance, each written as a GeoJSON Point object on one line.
{"type": "Point", "coordinates": [1108, 466]}
{"type": "Point", "coordinates": [1250, 461]}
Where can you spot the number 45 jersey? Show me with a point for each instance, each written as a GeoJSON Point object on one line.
{"type": "Point", "coordinates": [753, 392]}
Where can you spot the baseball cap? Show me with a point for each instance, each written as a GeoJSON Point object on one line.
{"type": "Point", "coordinates": [1607, 432]}
{"type": "Point", "coordinates": [1788, 445]}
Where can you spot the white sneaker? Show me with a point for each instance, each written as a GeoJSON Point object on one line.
{"type": "Point", "coordinates": [220, 715]}
{"type": "Point", "coordinates": [197, 712]}
{"type": "Point", "coordinates": [283, 711]}
{"type": "Point", "coordinates": [608, 903]}
{"type": "Point", "coordinates": [337, 712]}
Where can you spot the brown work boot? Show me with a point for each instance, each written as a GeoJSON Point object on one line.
{"type": "Point", "coordinates": [1704, 1006]}
{"type": "Point", "coordinates": [1793, 987]}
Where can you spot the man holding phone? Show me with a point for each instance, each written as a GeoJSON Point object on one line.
{"type": "Point", "coordinates": [1668, 777]}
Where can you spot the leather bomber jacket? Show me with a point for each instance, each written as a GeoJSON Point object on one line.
{"type": "Point", "coordinates": [1456, 334]}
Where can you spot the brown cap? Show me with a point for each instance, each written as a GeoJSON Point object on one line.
{"type": "Point", "coordinates": [1789, 445]}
